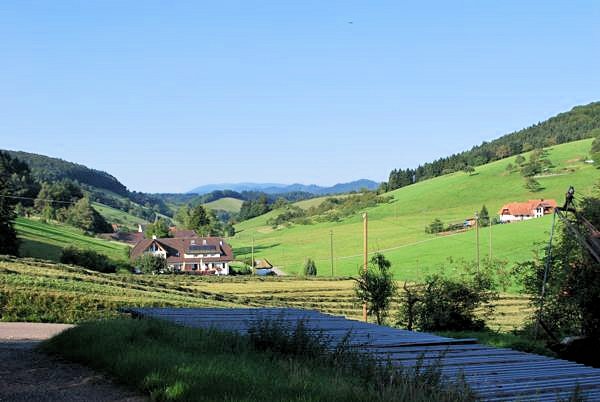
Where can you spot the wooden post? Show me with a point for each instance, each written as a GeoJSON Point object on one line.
{"type": "Point", "coordinates": [252, 255]}
{"type": "Point", "coordinates": [366, 255]}
{"type": "Point", "coordinates": [477, 235]}
{"type": "Point", "coordinates": [490, 225]}
{"type": "Point", "coordinates": [331, 249]}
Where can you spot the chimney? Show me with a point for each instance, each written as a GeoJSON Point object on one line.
{"type": "Point", "coordinates": [153, 237]}
{"type": "Point", "coordinates": [220, 242]}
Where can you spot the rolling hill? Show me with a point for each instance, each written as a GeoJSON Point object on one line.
{"type": "Point", "coordinates": [272, 188]}
{"type": "Point", "coordinates": [225, 204]}
{"type": "Point", "coordinates": [397, 228]}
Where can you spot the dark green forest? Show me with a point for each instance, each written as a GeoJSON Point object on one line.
{"type": "Point", "coordinates": [95, 183]}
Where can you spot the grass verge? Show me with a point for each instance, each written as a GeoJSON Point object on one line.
{"type": "Point", "coordinates": [172, 363]}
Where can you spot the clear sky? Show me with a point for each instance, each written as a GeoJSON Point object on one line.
{"type": "Point", "coordinates": [169, 95]}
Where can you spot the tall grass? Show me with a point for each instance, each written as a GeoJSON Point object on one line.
{"type": "Point", "coordinates": [172, 363]}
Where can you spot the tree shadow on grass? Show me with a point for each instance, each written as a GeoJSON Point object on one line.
{"type": "Point", "coordinates": [37, 249]}
{"type": "Point", "coordinates": [257, 248]}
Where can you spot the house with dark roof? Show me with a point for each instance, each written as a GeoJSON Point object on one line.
{"type": "Point", "coordinates": [196, 255]}
{"type": "Point", "coordinates": [520, 211]}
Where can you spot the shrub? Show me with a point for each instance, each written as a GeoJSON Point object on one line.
{"type": "Point", "coordinates": [436, 226]}
{"type": "Point", "coordinates": [87, 259]}
{"type": "Point", "coordinates": [310, 268]}
{"type": "Point", "coordinates": [376, 288]}
{"type": "Point", "coordinates": [442, 304]}
{"type": "Point", "coordinates": [151, 264]}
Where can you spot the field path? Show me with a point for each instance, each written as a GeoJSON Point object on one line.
{"type": "Point", "coordinates": [29, 375]}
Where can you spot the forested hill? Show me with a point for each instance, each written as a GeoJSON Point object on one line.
{"type": "Point", "coordinates": [96, 182]}
{"type": "Point", "coordinates": [578, 123]}
{"type": "Point", "coordinates": [46, 168]}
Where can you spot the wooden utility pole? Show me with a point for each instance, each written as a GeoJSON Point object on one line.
{"type": "Point", "coordinates": [477, 235]}
{"type": "Point", "coordinates": [490, 225]}
{"type": "Point", "coordinates": [252, 254]}
{"type": "Point", "coordinates": [366, 255]}
{"type": "Point", "coordinates": [331, 250]}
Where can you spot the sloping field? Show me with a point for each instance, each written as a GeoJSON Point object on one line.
{"type": "Point", "coordinates": [397, 228]}
{"type": "Point", "coordinates": [122, 218]}
{"type": "Point", "coordinates": [35, 290]}
{"type": "Point", "coordinates": [46, 241]}
{"type": "Point", "coordinates": [226, 204]}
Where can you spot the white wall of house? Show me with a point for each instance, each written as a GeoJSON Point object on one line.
{"type": "Point", "coordinates": [513, 218]}
{"type": "Point", "coordinates": [201, 255]}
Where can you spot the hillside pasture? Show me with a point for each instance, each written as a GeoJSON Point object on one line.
{"type": "Point", "coordinates": [46, 241]}
{"type": "Point", "coordinates": [397, 228]}
{"type": "Point", "coordinates": [228, 204]}
{"type": "Point", "coordinates": [122, 218]}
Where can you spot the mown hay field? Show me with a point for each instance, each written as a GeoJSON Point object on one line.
{"type": "Point", "coordinates": [36, 290]}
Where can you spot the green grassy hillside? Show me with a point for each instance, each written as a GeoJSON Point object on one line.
{"type": "Point", "coordinates": [46, 241]}
{"type": "Point", "coordinates": [226, 204]}
{"type": "Point", "coordinates": [397, 228]}
{"type": "Point", "coordinates": [122, 218]}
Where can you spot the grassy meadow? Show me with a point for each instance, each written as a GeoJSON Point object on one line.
{"type": "Point", "coordinates": [226, 204]}
{"type": "Point", "coordinates": [46, 241]}
{"type": "Point", "coordinates": [122, 218]}
{"type": "Point", "coordinates": [397, 228]}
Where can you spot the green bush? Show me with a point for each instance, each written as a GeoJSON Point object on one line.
{"type": "Point", "coordinates": [87, 259]}
{"type": "Point", "coordinates": [151, 264]}
{"type": "Point", "coordinates": [442, 304]}
{"type": "Point", "coordinates": [310, 268]}
{"type": "Point", "coordinates": [436, 226]}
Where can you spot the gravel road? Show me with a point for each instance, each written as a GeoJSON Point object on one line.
{"type": "Point", "coordinates": [29, 375]}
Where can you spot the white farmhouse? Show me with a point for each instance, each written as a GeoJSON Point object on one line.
{"type": "Point", "coordinates": [521, 211]}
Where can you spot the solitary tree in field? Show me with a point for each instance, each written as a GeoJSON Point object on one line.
{"type": "Point", "coordinates": [484, 216]}
{"type": "Point", "coordinates": [469, 169]}
{"type": "Point", "coordinates": [376, 287]}
{"type": "Point", "coordinates": [310, 268]}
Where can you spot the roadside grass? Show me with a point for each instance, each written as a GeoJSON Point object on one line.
{"type": "Point", "coordinates": [172, 363]}
{"type": "Point", "coordinates": [46, 241]}
{"type": "Point", "coordinates": [397, 228]}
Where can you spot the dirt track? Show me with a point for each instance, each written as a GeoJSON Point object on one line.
{"type": "Point", "coordinates": [28, 375]}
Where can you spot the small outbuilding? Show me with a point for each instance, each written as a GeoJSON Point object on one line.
{"type": "Point", "coordinates": [263, 267]}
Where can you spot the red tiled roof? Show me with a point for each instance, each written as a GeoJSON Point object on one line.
{"type": "Point", "coordinates": [525, 208]}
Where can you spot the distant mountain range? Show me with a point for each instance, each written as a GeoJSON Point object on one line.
{"type": "Point", "coordinates": [277, 188]}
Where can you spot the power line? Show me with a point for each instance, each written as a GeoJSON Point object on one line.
{"type": "Point", "coordinates": [36, 199]}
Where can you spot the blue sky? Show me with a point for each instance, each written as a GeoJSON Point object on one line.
{"type": "Point", "coordinates": [167, 96]}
